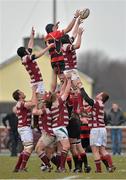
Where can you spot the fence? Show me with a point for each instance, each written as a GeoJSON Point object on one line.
{"type": "Point", "coordinates": [109, 143]}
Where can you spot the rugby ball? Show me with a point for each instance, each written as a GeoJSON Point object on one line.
{"type": "Point", "coordinates": [84, 13]}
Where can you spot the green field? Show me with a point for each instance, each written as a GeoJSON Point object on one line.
{"type": "Point", "coordinates": [7, 164]}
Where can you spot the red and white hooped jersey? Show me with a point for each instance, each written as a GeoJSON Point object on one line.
{"type": "Point", "coordinates": [45, 122]}
{"type": "Point", "coordinates": [59, 114]}
{"type": "Point", "coordinates": [76, 101]}
{"type": "Point", "coordinates": [23, 114]}
{"type": "Point", "coordinates": [32, 69]}
{"type": "Point", "coordinates": [70, 58]}
{"type": "Point", "coordinates": [97, 115]}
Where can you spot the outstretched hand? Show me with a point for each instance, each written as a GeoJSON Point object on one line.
{"type": "Point", "coordinates": [77, 13]}
{"type": "Point", "coordinates": [80, 21]}
{"type": "Point", "coordinates": [33, 31]}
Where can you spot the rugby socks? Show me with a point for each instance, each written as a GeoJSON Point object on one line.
{"type": "Point", "coordinates": [105, 162]}
{"type": "Point", "coordinates": [54, 160]}
{"type": "Point", "coordinates": [69, 162]}
{"type": "Point", "coordinates": [108, 158]}
{"type": "Point", "coordinates": [98, 166]}
{"type": "Point", "coordinates": [58, 158]}
{"type": "Point", "coordinates": [45, 159]}
{"type": "Point", "coordinates": [84, 159]}
{"type": "Point", "coordinates": [63, 159]}
{"type": "Point", "coordinates": [25, 158]}
{"type": "Point", "coordinates": [76, 162]}
{"type": "Point", "coordinates": [17, 167]}
{"type": "Point", "coordinates": [80, 162]}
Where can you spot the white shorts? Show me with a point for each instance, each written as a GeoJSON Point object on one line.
{"type": "Point", "coordinates": [98, 137]}
{"type": "Point", "coordinates": [40, 87]}
{"type": "Point", "coordinates": [60, 133]}
{"type": "Point", "coordinates": [25, 134]}
{"type": "Point", "coordinates": [74, 74]}
{"type": "Point", "coordinates": [46, 139]}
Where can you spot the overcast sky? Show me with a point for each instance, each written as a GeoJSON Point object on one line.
{"type": "Point", "coordinates": [105, 29]}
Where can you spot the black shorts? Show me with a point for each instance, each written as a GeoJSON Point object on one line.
{"type": "Point", "coordinates": [85, 142]}
{"type": "Point", "coordinates": [73, 129]}
{"type": "Point", "coordinates": [58, 67]}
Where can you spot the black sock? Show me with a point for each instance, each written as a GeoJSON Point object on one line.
{"type": "Point", "coordinates": [105, 163]}
{"type": "Point", "coordinates": [69, 163]}
{"type": "Point", "coordinates": [54, 160]}
{"type": "Point", "coordinates": [84, 159]}
{"type": "Point", "coordinates": [80, 163]}
{"type": "Point", "coordinates": [76, 162]}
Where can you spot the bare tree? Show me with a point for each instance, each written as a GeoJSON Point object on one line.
{"type": "Point", "coordinates": [108, 75]}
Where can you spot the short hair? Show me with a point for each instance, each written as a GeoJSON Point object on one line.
{"type": "Point", "coordinates": [105, 97]}
{"type": "Point", "coordinates": [21, 51]}
{"type": "Point", "coordinates": [16, 94]}
{"type": "Point", "coordinates": [49, 28]}
{"type": "Point", "coordinates": [65, 39]}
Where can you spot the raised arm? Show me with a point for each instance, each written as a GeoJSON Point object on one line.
{"type": "Point", "coordinates": [85, 95]}
{"type": "Point", "coordinates": [42, 52]}
{"type": "Point", "coordinates": [63, 87]}
{"type": "Point", "coordinates": [75, 29]}
{"type": "Point", "coordinates": [79, 37]}
{"type": "Point", "coordinates": [33, 101]}
{"type": "Point", "coordinates": [67, 89]}
{"type": "Point", "coordinates": [31, 41]}
{"type": "Point", "coordinates": [71, 24]}
{"type": "Point", "coordinates": [54, 81]}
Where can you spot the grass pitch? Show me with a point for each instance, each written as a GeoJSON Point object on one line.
{"type": "Point", "coordinates": [7, 165]}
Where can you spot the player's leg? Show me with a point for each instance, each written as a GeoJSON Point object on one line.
{"type": "Point", "coordinates": [44, 141]}
{"type": "Point", "coordinates": [54, 81]}
{"type": "Point", "coordinates": [83, 156]}
{"type": "Point", "coordinates": [40, 91]}
{"type": "Point", "coordinates": [107, 159]}
{"type": "Point", "coordinates": [94, 143]}
{"type": "Point", "coordinates": [27, 139]}
{"type": "Point", "coordinates": [75, 156]}
{"type": "Point", "coordinates": [62, 136]}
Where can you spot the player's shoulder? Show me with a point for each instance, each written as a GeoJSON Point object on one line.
{"type": "Point", "coordinates": [19, 104]}
{"type": "Point", "coordinates": [67, 47]}
{"type": "Point", "coordinates": [26, 59]}
{"type": "Point", "coordinates": [98, 103]}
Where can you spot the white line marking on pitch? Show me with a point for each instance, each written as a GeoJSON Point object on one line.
{"type": "Point", "coordinates": [70, 177]}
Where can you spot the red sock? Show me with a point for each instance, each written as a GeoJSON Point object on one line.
{"type": "Point", "coordinates": [45, 159]}
{"type": "Point", "coordinates": [25, 158]}
{"type": "Point", "coordinates": [63, 159]}
{"type": "Point", "coordinates": [19, 161]}
{"type": "Point", "coordinates": [98, 165]}
{"type": "Point", "coordinates": [105, 161]}
{"type": "Point", "coordinates": [108, 158]}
